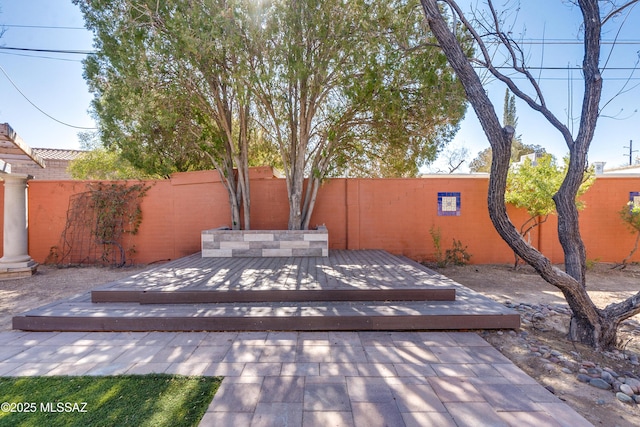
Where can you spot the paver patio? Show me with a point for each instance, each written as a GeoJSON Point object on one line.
{"type": "Point", "coordinates": [312, 378]}
{"type": "Point", "coordinates": [308, 378]}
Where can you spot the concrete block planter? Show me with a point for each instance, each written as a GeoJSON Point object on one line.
{"type": "Point", "coordinates": [218, 243]}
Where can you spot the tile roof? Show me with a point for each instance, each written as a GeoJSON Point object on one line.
{"type": "Point", "coordinates": [57, 154]}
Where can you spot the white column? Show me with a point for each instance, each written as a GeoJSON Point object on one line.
{"type": "Point", "coordinates": [16, 236]}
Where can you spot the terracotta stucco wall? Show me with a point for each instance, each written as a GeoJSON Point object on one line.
{"type": "Point", "coordinates": [392, 214]}
{"type": "Point", "coordinates": [1, 215]}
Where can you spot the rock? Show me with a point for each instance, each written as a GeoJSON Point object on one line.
{"type": "Point", "coordinates": [607, 377]}
{"type": "Point", "coordinates": [595, 373]}
{"type": "Point", "coordinates": [588, 364]}
{"type": "Point", "coordinates": [567, 371]}
{"type": "Point", "coordinates": [624, 398]}
{"type": "Point", "coordinates": [599, 383]}
{"type": "Point", "coordinates": [626, 389]}
{"type": "Point", "coordinates": [556, 353]}
{"type": "Point", "coordinates": [583, 371]}
{"type": "Point", "coordinates": [583, 378]}
{"type": "Point", "coordinates": [549, 366]}
{"type": "Point", "coordinates": [633, 383]}
{"type": "Point", "coordinates": [636, 398]}
{"type": "Point", "coordinates": [611, 371]}
{"type": "Point", "coordinates": [550, 388]}
{"type": "Point", "coordinates": [600, 402]}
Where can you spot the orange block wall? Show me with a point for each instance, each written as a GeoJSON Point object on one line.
{"type": "Point", "coordinates": [396, 215]}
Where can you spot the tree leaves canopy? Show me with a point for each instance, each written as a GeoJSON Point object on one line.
{"type": "Point", "coordinates": [336, 88]}
{"type": "Point", "coordinates": [532, 185]}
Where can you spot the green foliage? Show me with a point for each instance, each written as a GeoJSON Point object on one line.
{"type": "Point", "coordinates": [178, 83]}
{"type": "Point", "coordinates": [456, 255]}
{"type": "Point", "coordinates": [99, 221]}
{"type": "Point", "coordinates": [591, 263]}
{"type": "Point", "coordinates": [148, 400]}
{"type": "Point", "coordinates": [117, 209]}
{"type": "Point", "coordinates": [436, 237]}
{"type": "Point", "coordinates": [531, 186]}
{"type": "Point", "coordinates": [102, 164]}
{"type": "Point", "coordinates": [630, 215]}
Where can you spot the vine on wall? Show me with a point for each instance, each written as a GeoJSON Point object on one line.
{"type": "Point", "coordinates": [101, 223]}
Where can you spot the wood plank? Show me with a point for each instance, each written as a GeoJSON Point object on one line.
{"type": "Point", "coordinates": [196, 297]}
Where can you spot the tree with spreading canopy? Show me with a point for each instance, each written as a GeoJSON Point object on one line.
{"type": "Point", "coordinates": [589, 324]}
{"type": "Point", "coordinates": [365, 94]}
{"type": "Point", "coordinates": [169, 80]}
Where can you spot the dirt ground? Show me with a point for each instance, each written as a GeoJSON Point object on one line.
{"type": "Point", "coordinates": [499, 282]}
{"type": "Point", "coordinates": [548, 328]}
{"type": "Point", "coordinates": [50, 284]}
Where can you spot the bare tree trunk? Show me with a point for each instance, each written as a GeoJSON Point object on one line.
{"type": "Point", "coordinates": [242, 163]}
{"type": "Point", "coordinates": [589, 324]}
{"type": "Point", "coordinates": [633, 251]}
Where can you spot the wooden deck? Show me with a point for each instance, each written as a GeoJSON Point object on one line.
{"type": "Point", "coordinates": [349, 290]}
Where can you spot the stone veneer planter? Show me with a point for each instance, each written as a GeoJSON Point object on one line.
{"type": "Point", "coordinates": [219, 243]}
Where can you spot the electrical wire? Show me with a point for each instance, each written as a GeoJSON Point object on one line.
{"type": "Point", "coordinates": [40, 57]}
{"type": "Point", "coordinates": [65, 51]}
{"type": "Point", "coordinates": [44, 27]}
{"type": "Point", "coordinates": [40, 109]}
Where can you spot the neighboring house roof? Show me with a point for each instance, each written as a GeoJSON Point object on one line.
{"type": "Point", "coordinates": [633, 169]}
{"type": "Point", "coordinates": [57, 154]}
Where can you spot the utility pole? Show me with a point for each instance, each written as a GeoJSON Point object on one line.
{"type": "Point", "coordinates": [631, 151]}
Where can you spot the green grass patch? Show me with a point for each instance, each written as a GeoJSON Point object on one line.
{"type": "Point", "coordinates": [128, 400]}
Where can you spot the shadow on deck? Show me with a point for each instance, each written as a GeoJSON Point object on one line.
{"type": "Point", "coordinates": [347, 291]}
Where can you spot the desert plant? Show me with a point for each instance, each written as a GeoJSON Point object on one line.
{"type": "Point", "coordinates": [630, 215]}
{"type": "Point", "coordinates": [436, 237]}
{"type": "Point", "coordinates": [458, 254]}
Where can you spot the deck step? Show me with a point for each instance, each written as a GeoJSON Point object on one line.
{"type": "Point", "coordinates": [348, 291]}
{"type": "Point", "coordinates": [276, 295]}
{"type": "Point", "coordinates": [337, 316]}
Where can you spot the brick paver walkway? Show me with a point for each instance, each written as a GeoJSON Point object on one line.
{"type": "Point", "coordinates": [312, 378]}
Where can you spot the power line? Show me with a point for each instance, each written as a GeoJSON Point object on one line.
{"type": "Point", "coordinates": [43, 27]}
{"type": "Point", "coordinates": [40, 57]}
{"type": "Point", "coordinates": [38, 108]}
{"type": "Point", "coordinates": [65, 51]}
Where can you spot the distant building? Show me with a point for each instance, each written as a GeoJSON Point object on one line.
{"type": "Point", "coordinates": [532, 157]}
{"type": "Point", "coordinates": [56, 164]}
{"type": "Point", "coordinates": [623, 170]}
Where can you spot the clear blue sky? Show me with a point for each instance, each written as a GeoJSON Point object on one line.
{"type": "Point", "coordinates": [55, 84]}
